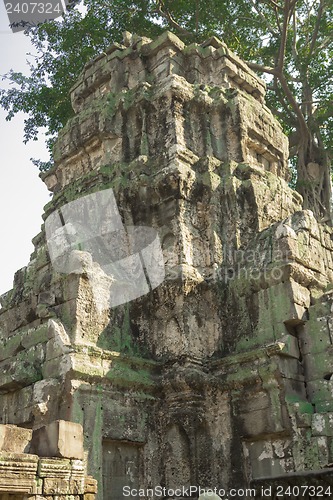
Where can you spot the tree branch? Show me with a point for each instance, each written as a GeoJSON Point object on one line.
{"type": "Point", "coordinates": [196, 17]}
{"type": "Point", "coordinates": [261, 68]}
{"type": "Point", "coordinates": [288, 10]}
{"type": "Point", "coordinates": [166, 14]}
{"type": "Point", "coordinates": [293, 103]}
{"type": "Point", "coordinates": [275, 5]}
{"type": "Point", "coordinates": [277, 20]}
{"type": "Point", "coordinates": [283, 102]}
{"type": "Point", "coordinates": [294, 46]}
{"type": "Point", "coordinates": [263, 17]}
{"type": "Point", "coordinates": [323, 45]}
{"type": "Point", "coordinates": [316, 29]}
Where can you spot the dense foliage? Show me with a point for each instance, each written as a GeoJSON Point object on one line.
{"type": "Point", "coordinates": [289, 42]}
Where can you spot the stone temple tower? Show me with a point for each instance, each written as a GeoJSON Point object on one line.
{"type": "Point", "coordinates": [218, 374]}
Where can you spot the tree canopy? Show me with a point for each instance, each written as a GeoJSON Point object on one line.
{"type": "Point", "coordinates": [288, 42]}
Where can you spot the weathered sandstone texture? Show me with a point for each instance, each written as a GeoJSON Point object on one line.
{"type": "Point", "coordinates": [222, 374]}
{"type": "Point", "coordinates": [25, 475]}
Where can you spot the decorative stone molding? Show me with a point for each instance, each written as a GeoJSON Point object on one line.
{"type": "Point", "coordinates": [24, 474]}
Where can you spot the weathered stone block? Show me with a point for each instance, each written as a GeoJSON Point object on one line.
{"type": "Point", "coordinates": [59, 439]}
{"type": "Point", "coordinates": [330, 449]}
{"type": "Point", "coordinates": [324, 406]}
{"type": "Point", "coordinates": [56, 367]}
{"type": "Point", "coordinates": [320, 390]}
{"type": "Point", "coordinates": [19, 469]}
{"type": "Point", "coordinates": [257, 401]}
{"type": "Point", "coordinates": [59, 342]}
{"type": "Point", "coordinates": [10, 347]}
{"type": "Point", "coordinates": [329, 428]}
{"type": "Point", "coordinates": [16, 406]}
{"type": "Point", "coordinates": [260, 422]}
{"type": "Point", "coordinates": [305, 452]}
{"type": "Point", "coordinates": [304, 420]}
{"type": "Point", "coordinates": [35, 336]}
{"type": "Point", "coordinates": [291, 346]}
{"type": "Point", "coordinates": [90, 365]}
{"type": "Point", "coordinates": [291, 368]}
{"type": "Point", "coordinates": [14, 439]}
{"type": "Point", "coordinates": [318, 365]}
{"type": "Point", "coordinates": [23, 369]}
{"type": "Point", "coordinates": [54, 467]}
{"type": "Point", "coordinates": [319, 424]}
{"type": "Point", "coordinates": [89, 496]}
{"type": "Point", "coordinates": [20, 485]}
{"type": "Point", "coordinates": [323, 454]}
{"type": "Point", "coordinates": [295, 389]}
{"type": "Point", "coordinates": [55, 486]}
{"type": "Point", "coordinates": [28, 476]}
{"type": "Point", "coordinates": [299, 294]}
{"type": "Point", "coordinates": [262, 460]}
{"type": "Point", "coordinates": [77, 485]}
{"type": "Point", "coordinates": [315, 338]}
{"type": "Point", "coordinates": [78, 469]}
{"type": "Point", "coordinates": [90, 485]}
{"type": "Point", "coordinates": [302, 408]}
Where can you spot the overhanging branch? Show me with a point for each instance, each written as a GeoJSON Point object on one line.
{"type": "Point", "coordinates": [163, 11]}
{"type": "Point", "coordinates": [261, 68]}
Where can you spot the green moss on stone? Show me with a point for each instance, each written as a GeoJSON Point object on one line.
{"type": "Point", "coordinates": [126, 374]}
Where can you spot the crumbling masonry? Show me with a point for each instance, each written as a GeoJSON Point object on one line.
{"type": "Point", "coordinates": [221, 375]}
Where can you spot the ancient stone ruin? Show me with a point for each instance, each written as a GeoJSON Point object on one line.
{"type": "Point", "coordinates": [219, 375]}
{"type": "Point", "coordinates": [44, 463]}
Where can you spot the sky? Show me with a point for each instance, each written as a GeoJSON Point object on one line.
{"type": "Point", "coordinates": [22, 193]}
